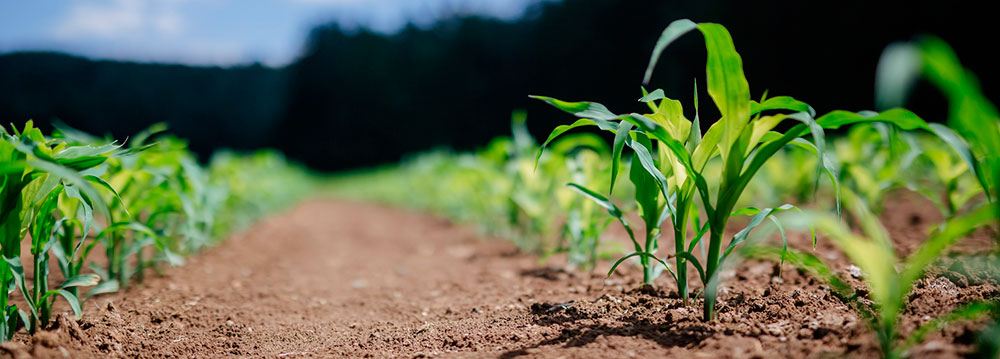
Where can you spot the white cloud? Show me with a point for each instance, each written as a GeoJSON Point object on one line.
{"type": "Point", "coordinates": [120, 19]}
{"type": "Point", "coordinates": [168, 23]}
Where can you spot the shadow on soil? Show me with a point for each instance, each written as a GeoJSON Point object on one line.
{"type": "Point", "coordinates": [631, 326]}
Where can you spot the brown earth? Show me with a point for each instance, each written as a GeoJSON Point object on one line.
{"type": "Point", "coordinates": [345, 279]}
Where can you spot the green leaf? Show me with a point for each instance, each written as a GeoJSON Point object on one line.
{"type": "Point", "coordinates": [101, 182]}
{"type": "Point", "coordinates": [694, 262]}
{"type": "Point", "coordinates": [134, 226]}
{"type": "Point", "coordinates": [657, 94]}
{"type": "Point", "coordinates": [673, 31]}
{"type": "Point", "coordinates": [623, 131]}
{"type": "Point", "coordinates": [895, 75]}
{"type": "Point", "coordinates": [875, 257]}
{"type": "Point", "coordinates": [88, 211]}
{"type": "Point", "coordinates": [85, 154]}
{"type": "Point", "coordinates": [828, 164]}
{"type": "Point", "coordinates": [72, 134]}
{"type": "Point", "coordinates": [109, 286]}
{"type": "Point", "coordinates": [781, 103]}
{"type": "Point", "coordinates": [612, 209]}
{"type": "Point", "coordinates": [640, 254]}
{"type": "Point", "coordinates": [694, 137]}
{"type": "Point", "coordinates": [946, 235]}
{"type": "Point", "coordinates": [755, 221]}
{"type": "Point", "coordinates": [73, 301]}
{"type": "Point", "coordinates": [82, 163]}
{"type": "Point", "coordinates": [649, 166]}
{"type": "Point", "coordinates": [900, 117]}
{"type": "Point", "coordinates": [172, 258]}
{"type": "Point", "coordinates": [963, 151]}
{"type": "Point", "coordinates": [83, 280]}
{"type": "Point", "coordinates": [559, 130]}
{"type": "Point", "coordinates": [727, 85]}
{"type": "Point", "coordinates": [647, 187]}
{"type": "Point", "coordinates": [819, 140]}
{"type": "Point", "coordinates": [784, 241]}
{"type": "Point", "coordinates": [75, 179]}
{"type": "Point", "coordinates": [805, 261]}
{"type": "Point", "coordinates": [17, 271]}
{"type": "Point", "coordinates": [970, 112]}
{"type": "Point", "coordinates": [591, 110]}
{"type": "Point", "coordinates": [966, 312]}
{"type": "Point", "coordinates": [139, 140]}
{"type": "Point", "coordinates": [708, 146]}
{"type": "Point", "coordinates": [25, 319]}
{"type": "Point", "coordinates": [698, 236]}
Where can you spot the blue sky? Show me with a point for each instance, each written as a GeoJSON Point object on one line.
{"type": "Point", "coordinates": [209, 32]}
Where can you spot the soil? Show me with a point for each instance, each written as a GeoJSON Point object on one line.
{"type": "Point", "coordinates": [346, 279]}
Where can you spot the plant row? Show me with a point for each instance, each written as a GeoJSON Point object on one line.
{"type": "Point", "coordinates": [107, 211]}
{"type": "Point", "coordinates": [688, 186]}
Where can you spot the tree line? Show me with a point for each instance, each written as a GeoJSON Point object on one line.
{"type": "Point", "coordinates": [455, 83]}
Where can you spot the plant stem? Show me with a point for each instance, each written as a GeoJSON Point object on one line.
{"type": "Point", "coordinates": [115, 268]}
{"type": "Point", "coordinates": [647, 265]}
{"type": "Point", "coordinates": [712, 263]}
{"type": "Point", "coordinates": [66, 242]}
{"type": "Point", "coordinates": [681, 263]}
{"type": "Point", "coordinates": [35, 288]}
{"type": "Point", "coordinates": [4, 332]}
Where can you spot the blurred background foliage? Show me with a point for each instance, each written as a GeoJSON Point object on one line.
{"type": "Point", "coordinates": [454, 82]}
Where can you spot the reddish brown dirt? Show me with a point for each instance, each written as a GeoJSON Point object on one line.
{"type": "Point", "coordinates": [344, 279]}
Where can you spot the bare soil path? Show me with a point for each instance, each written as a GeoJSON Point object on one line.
{"type": "Point", "coordinates": [345, 279]}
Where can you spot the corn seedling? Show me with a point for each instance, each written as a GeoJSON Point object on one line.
{"type": "Point", "coordinates": [889, 278]}
{"type": "Point", "coordinates": [53, 190]}
{"type": "Point", "coordinates": [744, 139]}
{"type": "Point", "coordinates": [533, 200]}
{"type": "Point", "coordinates": [976, 138]}
{"type": "Point", "coordinates": [944, 178]}
{"type": "Point", "coordinates": [584, 222]}
{"type": "Point", "coordinates": [787, 176]}
{"type": "Point", "coordinates": [36, 172]}
{"type": "Point", "coordinates": [871, 159]}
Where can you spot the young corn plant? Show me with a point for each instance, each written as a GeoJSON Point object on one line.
{"type": "Point", "coordinates": [876, 158]}
{"type": "Point", "coordinates": [39, 298]}
{"type": "Point", "coordinates": [36, 170]}
{"type": "Point", "coordinates": [873, 158]}
{"type": "Point", "coordinates": [58, 190]}
{"type": "Point", "coordinates": [71, 235]}
{"type": "Point", "coordinates": [889, 278]}
{"type": "Point", "coordinates": [584, 221]}
{"type": "Point", "coordinates": [669, 180]}
{"type": "Point", "coordinates": [951, 186]}
{"type": "Point", "coordinates": [153, 201]}
{"type": "Point", "coordinates": [533, 194]}
{"type": "Point", "coordinates": [775, 183]}
{"type": "Point", "coordinates": [975, 119]}
{"type": "Point", "coordinates": [744, 139]}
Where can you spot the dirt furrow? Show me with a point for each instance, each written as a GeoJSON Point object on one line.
{"type": "Point", "coordinates": [345, 279]}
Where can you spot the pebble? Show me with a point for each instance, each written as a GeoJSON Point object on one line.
{"type": "Point", "coordinates": [854, 271]}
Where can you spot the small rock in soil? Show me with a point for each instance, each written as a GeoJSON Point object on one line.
{"type": "Point", "coordinates": [854, 271]}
